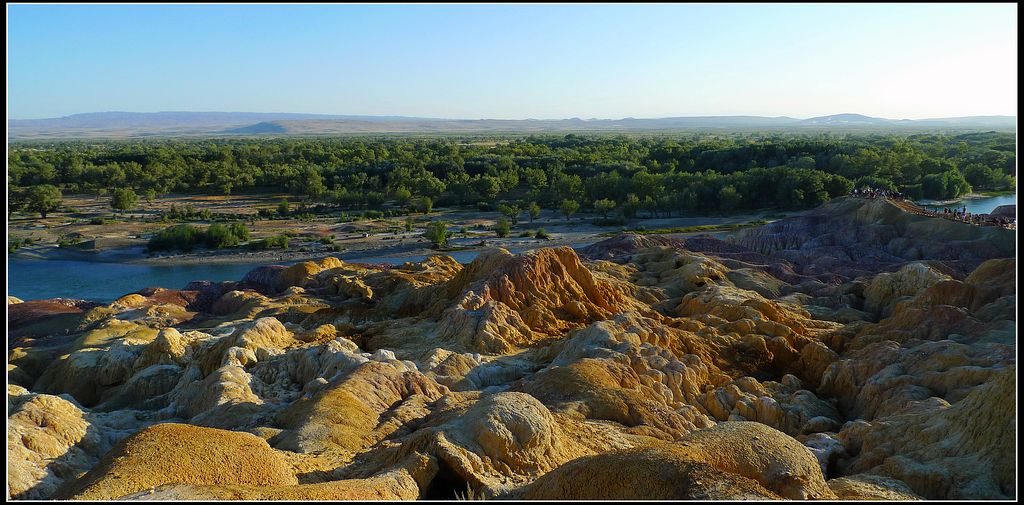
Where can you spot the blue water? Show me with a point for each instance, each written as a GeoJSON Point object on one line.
{"type": "Point", "coordinates": [977, 205]}
{"type": "Point", "coordinates": [106, 282]}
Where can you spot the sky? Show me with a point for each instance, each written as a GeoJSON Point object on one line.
{"type": "Point", "coordinates": [542, 61]}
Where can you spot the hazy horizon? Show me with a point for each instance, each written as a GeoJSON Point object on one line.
{"type": "Point", "coordinates": [908, 61]}
{"type": "Point", "coordinates": [481, 118]}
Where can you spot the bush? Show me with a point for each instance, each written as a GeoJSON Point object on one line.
{"type": "Point", "coordinates": [437, 232]}
{"type": "Point", "coordinates": [502, 228]}
{"type": "Point", "coordinates": [97, 220]}
{"type": "Point", "coordinates": [69, 240]}
{"type": "Point", "coordinates": [218, 236]}
{"type": "Point", "coordinates": [183, 237]}
{"type": "Point", "coordinates": [124, 199]}
{"type": "Point", "coordinates": [271, 242]}
{"type": "Point", "coordinates": [542, 234]}
{"type": "Point", "coordinates": [17, 243]}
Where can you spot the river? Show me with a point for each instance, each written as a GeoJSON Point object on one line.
{"type": "Point", "coordinates": [974, 205]}
{"type": "Point", "coordinates": [106, 282]}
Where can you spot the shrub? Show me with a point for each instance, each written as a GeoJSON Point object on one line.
{"type": "Point", "coordinates": [542, 234]}
{"type": "Point", "coordinates": [17, 243]}
{"type": "Point", "coordinates": [502, 227]}
{"type": "Point", "coordinates": [185, 237]}
{"type": "Point", "coordinates": [124, 199]}
{"type": "Point", "coordinates": [437, 232]}
{"type": "Point", "coordinates": [69, 240]}
{"type": "Point", "coordinates": [182, 237]}
{"type": "Point", "coordinates": [271, 242]}
{"type": "Point", "coordinates": [218, 236]}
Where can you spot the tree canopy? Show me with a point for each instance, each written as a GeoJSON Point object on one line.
{"type": "Point", "coordinates": [658, 175]}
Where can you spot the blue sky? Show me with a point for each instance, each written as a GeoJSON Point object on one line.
{"type": "Point", "coordinates": [515, 61]}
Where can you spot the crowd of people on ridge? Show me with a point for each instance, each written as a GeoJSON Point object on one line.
{"type": "Point", "coordinates": [956, 214]}
{"type": "Point", "coordinates": [869, 192]}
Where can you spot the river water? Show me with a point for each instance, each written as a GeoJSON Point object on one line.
{"type": "Point", "coordinates": [975, 205]}
{"type": "Point", "coordinates": [106, 282]}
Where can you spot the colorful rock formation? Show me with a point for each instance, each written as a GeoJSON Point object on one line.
{"type": "Point", "coordinates": [856, 352]}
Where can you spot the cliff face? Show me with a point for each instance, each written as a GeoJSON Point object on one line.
{"type": "Point", "coordinates": [856, 352]}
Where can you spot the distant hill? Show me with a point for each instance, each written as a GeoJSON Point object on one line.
{"type": "Point", "coordinates": [174, 124]}
{"type": "Point", "coordinates": [258, 129]}
{"type": "Point", "coordinates": [846, 120]}
{"type": "Point", "coordinates": [997, 122]}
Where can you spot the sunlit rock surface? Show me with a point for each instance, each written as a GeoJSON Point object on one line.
{"type": "Point", "coordinates": [855, 352]}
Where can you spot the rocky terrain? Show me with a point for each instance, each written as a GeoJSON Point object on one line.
{"type": "Point", "coordinates": [856, 352]}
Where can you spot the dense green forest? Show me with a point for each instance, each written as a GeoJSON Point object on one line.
{"type": "Point", "coordinates": [663, 175]}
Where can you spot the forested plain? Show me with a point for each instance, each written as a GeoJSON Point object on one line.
{"type": "Point", "coordinates": [663, 175]}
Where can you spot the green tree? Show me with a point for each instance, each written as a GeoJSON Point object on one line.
{"type": "Point", "coordinates": [487, 186]}
{"type": "Point", "coordinates": [124, 199]}
{"type": "Point", "coordinates": [44, 198]}
{"type": "Point", "coordinates": [426, 204]}
{"type": "Point", "coordinates": [428, 185]}
{"type": "Point", "coordinates": [16, 200]}
{"type": "Point", "coordinates": [437, 233]}
{"type": "Point", "coordinates": [604, 206]}
{"type": "Point", "coordinates": [408, 223]}
{"type": "Point", "coordinates": [536, 179]}
{"type": "Point", "coordinates": [534, 211]}
{"type": "Point", "coordinates": [502, 228]}
{"type": "Point", "coordinates": [979, 175]}
{"type": "Point", "coordinates": [283, 207]}
{"type": "Point", "coordinates": [650, 205]}
{"type": "Point", "coordinates": [631, 206]}
{"type": "Point", "coordinates": [728, 198]}
{"type": "Point", "coordinates": [569, 207]}
{"type": "Point", "coordinates": [314, 183]}
{"type": "Point", "coordinates": [150, 195]}
{"type": "Point", "coordinates": [510, 211]}
{"type": "Point", "coordinates": [402, 195]}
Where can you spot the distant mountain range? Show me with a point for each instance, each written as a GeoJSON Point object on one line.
{"type": "Point", "coordinates": [174, 124]}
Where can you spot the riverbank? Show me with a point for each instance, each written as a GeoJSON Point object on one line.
{"type": "Point", "coordinates": [124, 241]}
{"type": "Point", "coordinates": [967, 197]}
{"type": "Point", "coordinates": [975, 203]}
